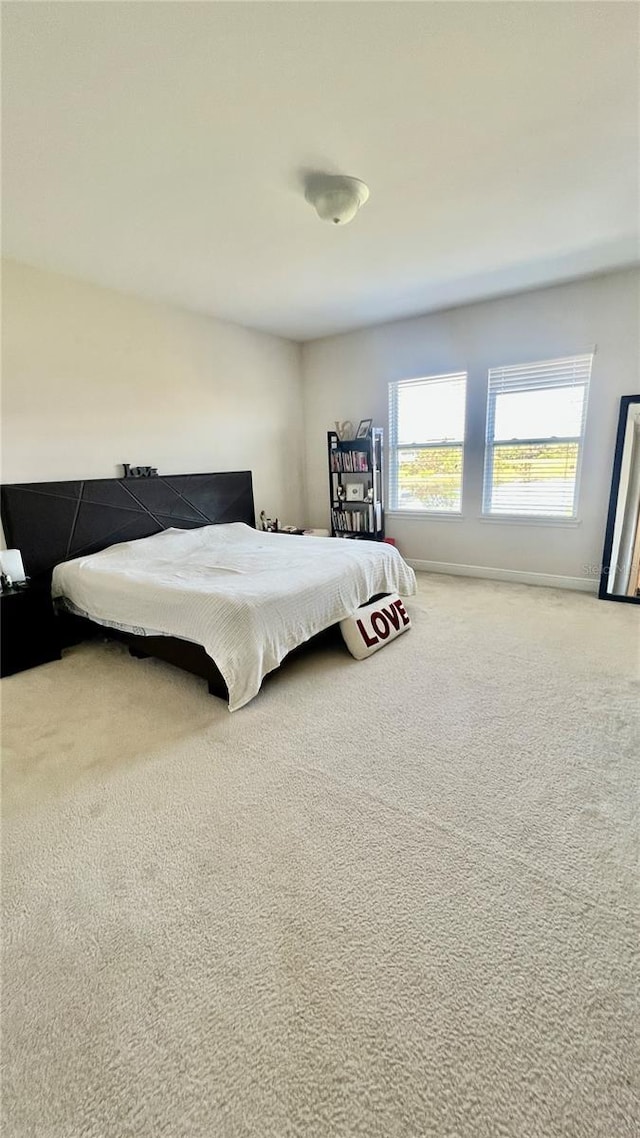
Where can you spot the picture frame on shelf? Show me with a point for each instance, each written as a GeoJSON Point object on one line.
{"type": "Point", "coordinates": [364, 428]}
{"type": "Point", "coordinates": [355, 492]}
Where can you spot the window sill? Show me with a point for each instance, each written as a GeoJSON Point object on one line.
{"type": "Point", "coordinates": [530, 520]}
{"type": "Point", "coordinates": [425, 515]}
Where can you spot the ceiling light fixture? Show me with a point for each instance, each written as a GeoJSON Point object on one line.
{"type": "Point", "coordinates": [336, 198]}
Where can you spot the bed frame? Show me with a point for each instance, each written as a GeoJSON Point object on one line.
{"type": "Point", "coordinates": [50, 522]}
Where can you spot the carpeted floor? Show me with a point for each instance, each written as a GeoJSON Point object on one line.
{"type": "Point", "coordinates": [388, 899]}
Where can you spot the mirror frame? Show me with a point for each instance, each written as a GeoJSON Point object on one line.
{"type": "Point", "coordinates": [603, 594]}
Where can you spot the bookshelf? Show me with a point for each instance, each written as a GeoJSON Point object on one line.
{"type": "Point", "coordinates": [356, 513]}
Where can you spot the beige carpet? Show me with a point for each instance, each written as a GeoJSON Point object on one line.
{"type": "Point", "coordinates": [389, 899]}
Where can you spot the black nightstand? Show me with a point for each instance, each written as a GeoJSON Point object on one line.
{"type": "Point", "coordinates": [29, 629]}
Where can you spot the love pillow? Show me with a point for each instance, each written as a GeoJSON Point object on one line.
{"type": "Point", "coordinates": [374, 625]}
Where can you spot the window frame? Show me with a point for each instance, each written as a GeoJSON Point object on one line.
{"type": "Point", "coordinates": [395, 448]}
{"type": "Point", "coordinates": [490, 443]}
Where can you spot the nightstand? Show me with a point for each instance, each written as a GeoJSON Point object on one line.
{"type": "Point", "coordinates": [28, 627]}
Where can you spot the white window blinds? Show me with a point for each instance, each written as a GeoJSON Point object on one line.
{"type": "Point", "coordinates": [535, 427]}
{"type": "Point", "coordinates": [426, 442]}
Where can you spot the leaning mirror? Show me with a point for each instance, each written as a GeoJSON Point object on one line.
{"type": "Point", "coordinates": [620, 580]}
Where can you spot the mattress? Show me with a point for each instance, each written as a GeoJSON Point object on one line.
{"type": "Point", "coordinates": [248, 597]}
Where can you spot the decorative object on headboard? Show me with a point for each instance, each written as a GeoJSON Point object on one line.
{"type": "Point", "coordinates": [55, 521]}
{"type": "Point", "coordinates": [139, 471]}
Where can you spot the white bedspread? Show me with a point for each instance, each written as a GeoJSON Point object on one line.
{"type": "Point", "coordinates": [248, 597]}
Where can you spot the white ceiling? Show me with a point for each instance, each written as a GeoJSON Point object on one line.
{"type": "Point", "coordinates": [159, 148]}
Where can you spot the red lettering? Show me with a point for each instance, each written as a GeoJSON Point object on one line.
{"type": "Point", "coordinates": [363, 633]}
{"type": "Point", "coordinates": [392, 616]}
{"type": "Point", "coordinates": [403, 612]}
{"type": "Point", "coordinates": [383, 632]}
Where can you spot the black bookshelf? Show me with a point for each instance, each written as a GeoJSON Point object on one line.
{"type": "Point", "coordinates": [356, 462]}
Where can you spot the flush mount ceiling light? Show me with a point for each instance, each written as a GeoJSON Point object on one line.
{"type": "Point", "coordinates": [336, 198]}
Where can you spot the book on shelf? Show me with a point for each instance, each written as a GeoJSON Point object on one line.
{"type": "Point", "coordinates": [365, 520]}
{"type": "Point", "coordinates": [349, 462]}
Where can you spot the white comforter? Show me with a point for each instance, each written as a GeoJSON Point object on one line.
{"type": "Point", "coordinates": [248, 597]}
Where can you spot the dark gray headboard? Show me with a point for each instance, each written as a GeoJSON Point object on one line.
{"type": "Point", "coordinates": [55, 521]}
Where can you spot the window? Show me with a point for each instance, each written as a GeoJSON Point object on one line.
{"type": "Point", "coordinates": [535, 427]}
{"type": "Point", "coordinates": [426, 440]}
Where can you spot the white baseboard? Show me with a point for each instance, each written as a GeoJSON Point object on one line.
{"type": "Point", "coordinates": [548, 580]}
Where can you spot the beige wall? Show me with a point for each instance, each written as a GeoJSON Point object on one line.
{"type": "Point", "coordinates": [346, 377]}
{"type": "Point", "coordinates": [92, 378]}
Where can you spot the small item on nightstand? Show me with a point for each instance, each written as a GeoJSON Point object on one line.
{"type": "Point", "coordinates": [12, 567]}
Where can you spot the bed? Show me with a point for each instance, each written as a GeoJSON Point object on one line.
{"type": "Point", "coordinates": [175, 567]}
